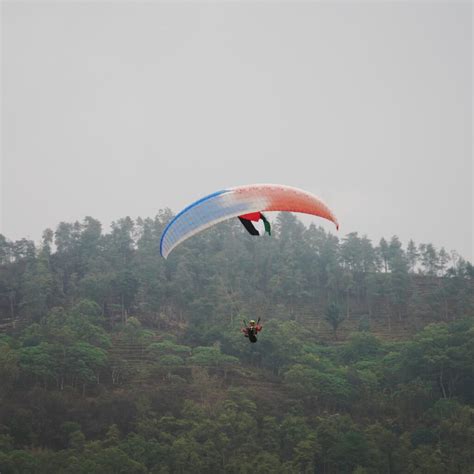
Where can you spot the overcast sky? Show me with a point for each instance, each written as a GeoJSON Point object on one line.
{"type": "Point", "coordinates": [115, 109]}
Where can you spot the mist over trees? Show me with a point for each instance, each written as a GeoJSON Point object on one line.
{"type": "Point", "coordinates": [113, 359]}
{"type": "Point", "coordinates": [304, 269]}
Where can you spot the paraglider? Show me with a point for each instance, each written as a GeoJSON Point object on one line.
{"type": "Point", "coordinates": [252, 329]}
{"type": "Point", "coordinates": [245, 202]}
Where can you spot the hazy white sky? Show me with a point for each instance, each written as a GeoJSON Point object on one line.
{"type": "Point", "coordinates": [115, 109]}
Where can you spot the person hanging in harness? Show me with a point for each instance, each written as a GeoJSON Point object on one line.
{"type": "Point", "coordinates": [252, 329]}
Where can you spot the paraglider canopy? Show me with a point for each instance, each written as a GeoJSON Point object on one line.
{"type": "Point", "coordinates": [246, 202]}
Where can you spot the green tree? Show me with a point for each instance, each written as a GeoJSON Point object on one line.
{"type": "Point", "coordinates": [412, 255]}
{"type": "Point", "coordinates": [334, 317]}
{"type": "Point", "coordinates": [429, 259]}
{"type": "Point", "coordinates": [9, 370]}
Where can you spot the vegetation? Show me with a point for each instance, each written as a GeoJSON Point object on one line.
{"type": "Point", "coordinates": [114, 360]}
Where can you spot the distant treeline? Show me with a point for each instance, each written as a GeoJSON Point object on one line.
{"type": "Point", "coordinates": [223, 273]}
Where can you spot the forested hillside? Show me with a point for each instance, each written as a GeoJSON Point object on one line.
{"type": "Point", "coordinates": [113, 359]}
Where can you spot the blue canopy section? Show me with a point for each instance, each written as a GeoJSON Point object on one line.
{"type": "Point", "coordinates": [198, 216]}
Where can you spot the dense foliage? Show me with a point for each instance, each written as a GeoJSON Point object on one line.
{"type": "Point", "coordinates": [115, 360]}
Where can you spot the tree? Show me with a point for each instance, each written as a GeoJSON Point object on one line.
{"type": "Point", "coordinates": [38, 362]}
{"type": "Point", "coordinates": [120, 243]}
{"type": "Point", "coordinates": [306, 453]}
{"type": "Point", "coordinates": [9, 370]}
{"type": "Point", "coordinates": [425, 460]}
{"type": "Point", "coordinates": [334, 317]}
{"type": "Point", "coordinates": [412, 256]}
{"type": "Point", "coordinates": [212, 357]}
{"type": "Point", "coordinates": [384, 253]}
{"type": "Point", "coordinates": [438, 354]}
{"type": "Point", "coordinates": [126, 286]}
{"type": "Point", "coordinates": [429, 259]}
{"type": "Point", "coordinates": [37, 289]}
{"type": "Point", "coordinates": [5, 250]}
{"type": "Point", "coordinates": [349, 451]}
{"type": "Point", "coordinates": [384, 449]}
